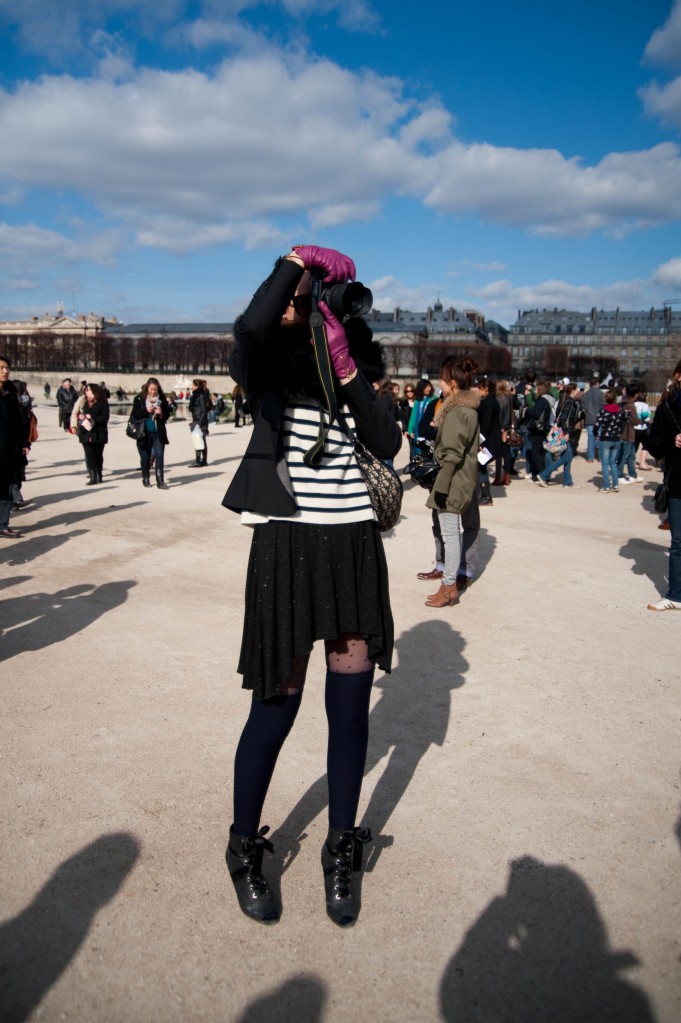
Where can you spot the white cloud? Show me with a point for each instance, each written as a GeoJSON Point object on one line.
{"type": "Point", "coordinates": [664, 46]}
{"type": "Point", "coordinates": [663, 101]}
{"type": "Point", "coordinates": [502, 299]}
{"type": "Point", "coordinates": [668, 275]}
{"type": "Point", "coordinates": [248, 143]}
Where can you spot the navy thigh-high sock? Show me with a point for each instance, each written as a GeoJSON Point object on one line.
{"type": "Point", "coordinates": [347, 711]}
{"type": "Point", "coordinates": [265, 731]}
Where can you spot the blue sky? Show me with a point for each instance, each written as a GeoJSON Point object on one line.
{"type": "Point", "coordinates": [156, 158]}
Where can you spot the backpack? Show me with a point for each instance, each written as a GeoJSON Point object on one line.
{"type": "Point", "coordinates": [556, 441]}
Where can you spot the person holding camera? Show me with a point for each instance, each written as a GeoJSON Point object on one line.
{"type": "Point", "coordinates": [317, 568]}
{"type": "Point", "coordinates": [151, 408]}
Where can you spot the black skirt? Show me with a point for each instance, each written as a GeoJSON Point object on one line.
{"type": "Point", "coordinates": [309, 582]}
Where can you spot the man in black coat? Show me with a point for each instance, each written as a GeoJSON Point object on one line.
{"type": "Point", "coordinates": [10, 447]}
{"type": "Point", "coordinates": [67, 396]}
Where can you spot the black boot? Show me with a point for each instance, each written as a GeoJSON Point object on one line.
{"type": "Point", "coordinates": [145, 478]}
{"type": "Point", "coordinates": [92, 473]}
{"type": "Point", "coordinates": [485, 494]}
{"type": "Point", "coordinates": [159, 479]}
{"type": "Point", "coordinates": [99, 476]}
{"type": "Point", "coordinates": [244, 860]}
{"type": "Point", "coordinates": [342, 864]}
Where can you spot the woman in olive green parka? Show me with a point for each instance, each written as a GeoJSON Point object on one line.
{"type": "Point", "coordinates": [456, 451]}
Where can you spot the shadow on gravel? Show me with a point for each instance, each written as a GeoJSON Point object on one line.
{"type": "Point", "coordinates": [38, 944]}
{"type": "Point", "coordinates": [540, 952]}
{"type": "Point", "coordinates": [37, 620]}
{"type": "Point", "coordinates": [649, 559]}
{"type": "Point", "coordinates": [301, 998]}
{"type": "Point", "coordinates": [403, 725]}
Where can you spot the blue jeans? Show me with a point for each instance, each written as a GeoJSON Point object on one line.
{"type": "Point", "coordinates": [152, 445]}
{"type": "Point", "coordinates": [627, 458]}
{"type": "Point", "coordinates": [674, 516]}
{"type": "Point", "coordinates": [591, 443]}
{"type": "Point", "coordinates": [609, 450]}
{"type": "Point", "coordinates": [565, 461]}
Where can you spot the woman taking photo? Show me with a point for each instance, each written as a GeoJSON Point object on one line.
{"type": "Point", "coordinates": [93, 433]}
{"type": "Point", "coordinates": [200, 405]}
{"type": "Point", "coordinates": [456, 451]}
{"type": "Point", "coordinates": [151, 407]}
{"type": "Point", "coordinates": [316, 570]}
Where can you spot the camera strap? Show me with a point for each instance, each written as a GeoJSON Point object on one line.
{"type": "Point", "coordinates": [320, 344]}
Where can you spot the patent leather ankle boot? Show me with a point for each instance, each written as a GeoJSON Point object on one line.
{"type": "Point", "coordinates": [244, 860]}
{"type": "Point", "coordinates": [145, 479]}
{"type": "Point", "coordinates": [342, 866]}
{"type": "Point", "coordinates": [160, 482]}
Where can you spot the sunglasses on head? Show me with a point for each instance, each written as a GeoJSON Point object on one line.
{"type": "Point", "coordinates": [302, 304]}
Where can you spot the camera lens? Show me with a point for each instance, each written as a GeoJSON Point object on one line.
{"type": "Point", "coordinates": [351, 299]}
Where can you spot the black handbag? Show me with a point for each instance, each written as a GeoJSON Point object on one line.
{"type": "Point", "coordinates": [661, 498]}
{"type": "Point", "coordinates": [423, 470]}
{"type": "Point", "coordinates": [136, 429]}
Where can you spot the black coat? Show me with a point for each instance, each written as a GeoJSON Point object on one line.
{"type": "Point", "coordinates": [489, 414]}
{"type": "Point", "coordinates": [199, 406]}
{"type": "Point", "coordinates": [10, 440]}
{"type": "Point", "coordinates": [271, 366]}
{"type": "Point", "coordinates": [99, 433]}
{"type": "Point", "coordinates": [139, 414]}
{"type": "Point", "coordinates": [666, 425]}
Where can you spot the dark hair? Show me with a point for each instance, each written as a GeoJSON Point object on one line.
{"type": "Point", "coordinates": [420, 389]}
{"type": "Point", "coordinates": [152, 380]}
{"type": "Point", "coordinates": [3, 358]}
{"type": "Point", "coordinates": [632, 390]}
{"type": "Point", "coordinates": [97, 392]}
{"type": "Point", "coordinates": [459, 372]}
{"type": "Point", "coordinates": [199, 385]}
{"type": "Point", "coordinates": [676, 379]}
{"type": "Point", "coordinates": [610, 396]}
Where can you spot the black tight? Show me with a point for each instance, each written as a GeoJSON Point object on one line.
{"type": "Point", "coordinates": [349, 678]}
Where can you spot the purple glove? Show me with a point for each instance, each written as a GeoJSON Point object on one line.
{"type": "Point", "coordinates": [341, 360]}
{"type": "Point", "coordinates": [337, 266]}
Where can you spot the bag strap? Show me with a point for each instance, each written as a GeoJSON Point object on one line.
{"type": "Point", "coordinates": [320, 344]}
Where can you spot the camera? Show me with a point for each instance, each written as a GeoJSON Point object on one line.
{"type": "Point", "coordinates": [349, 299]}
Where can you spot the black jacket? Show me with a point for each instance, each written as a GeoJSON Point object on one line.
{"type": "Point", "coordinates": [199, 406]}
{"type": "Point", "coordinates": [67, 399]}
{"type": "Point", "coordinates": [139, 413]}
{"type": "Point", "coordinates": [10, 439]}
{"type": "Point", "coordinates": [99, 433]}
{"type": "Point", "coordinates": [263, 356]}
{"type": "Point", "coordinates": [489, 414]}
{"type": "Point", "coordinates": [666, 425]}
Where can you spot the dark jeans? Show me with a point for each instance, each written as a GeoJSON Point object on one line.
{"type": "Point", "coordinates": [151, 445]}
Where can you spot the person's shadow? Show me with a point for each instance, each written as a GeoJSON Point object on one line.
{"type": "Point", "coordinates": [37, 620]}
{"type": "Point", "coordinates": [538, 953]}
{"type": "Point", "coordinates": [411, 715]}
{"type": "Point", "coordinates": [300, 998]}
{"type": "Point", "coordinates": [649, 559]}
{"type": "Point", "coordinates": [37, 945]}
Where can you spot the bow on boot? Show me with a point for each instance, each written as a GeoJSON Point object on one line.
{"type": "Point", "coordinates": [342, 864]}
{"type": "Point", "coordinates": [244, 860]}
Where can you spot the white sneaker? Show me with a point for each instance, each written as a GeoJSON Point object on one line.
{"type": "Point", "coordinates": [665, 605]}
{"type": "Point", "coordinates": [540, 482]}
{"type": "Point", "coordinates": [624, 481]}
{"type": "Point", "coordinates": [636, 479]}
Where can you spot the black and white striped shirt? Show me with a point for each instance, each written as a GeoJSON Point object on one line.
{"type": "Point", "coordinates": [332, 492]}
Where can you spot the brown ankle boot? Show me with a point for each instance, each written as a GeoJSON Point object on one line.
{"type": "Point", "coordinates": [507, 479]}
{"type": "Point", "coordinates": [446, 596]}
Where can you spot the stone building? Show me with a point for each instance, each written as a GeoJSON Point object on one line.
{"type": "Point", "coordinates": [627, 344]}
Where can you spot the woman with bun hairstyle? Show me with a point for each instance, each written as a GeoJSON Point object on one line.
{"type": "Point", "coordinates": [317, 570]}
{"type": "Point", "coordinates": [456, 450]}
